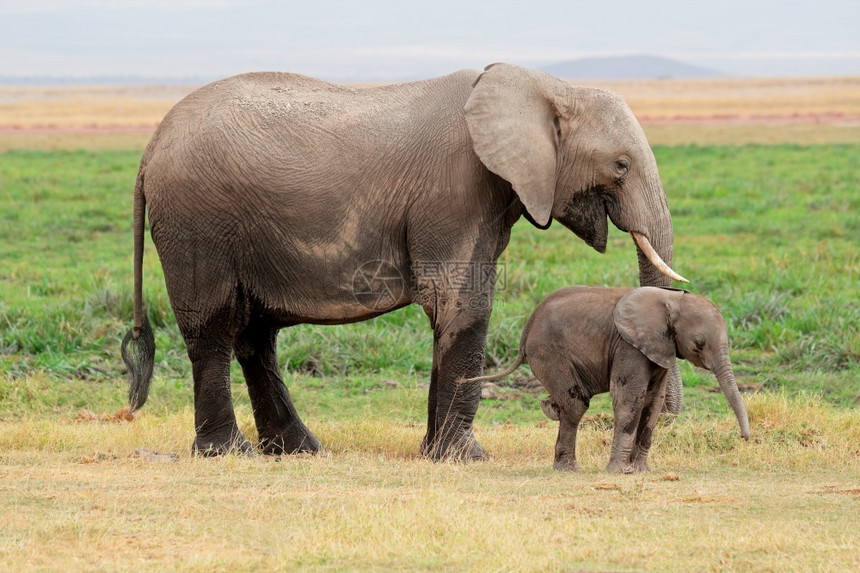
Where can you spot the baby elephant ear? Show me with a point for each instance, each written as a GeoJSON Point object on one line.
{"type": "Point", "coordinates": [644, 318]}
{"type": "Point", "coordinates": [550, 408]}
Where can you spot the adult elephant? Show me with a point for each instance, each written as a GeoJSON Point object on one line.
{"type": "Point", "coordinates": [277, 199]}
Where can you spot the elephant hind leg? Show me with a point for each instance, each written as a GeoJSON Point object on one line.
{"type": "Point", "coordinates": [209, 348]}
{"type": "Point", "coordinates": [280, 429]}
{"type": "Point", "coordinates": [211, 307]}
{"type": "Point", "coordinates": [214, 419]}
{"type": "Point", "coordinates": [565, 444]}
{"type": "Point", "coordinates": [568, 401]}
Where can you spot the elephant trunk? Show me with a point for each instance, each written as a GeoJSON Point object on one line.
{"type": "Point", "coordinates": [660, 241]}
{"type": "Point", "coordinates": [726, 378]}
{"type": "Point", "coordinates": [644, 247]}
{"type": "Point", "coordinates": [658, 237]}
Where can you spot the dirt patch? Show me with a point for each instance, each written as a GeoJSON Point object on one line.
{"type": "Point", "coordinates": [121, 415]}
{"type": "Point", "coordinates": [837, 489]}
{"type": "Point", "coordinates": [65, 129]}
{"type": "Point", "coordinates": [754, 118]}
{"type": "Point", "coordinates": [698, 498]}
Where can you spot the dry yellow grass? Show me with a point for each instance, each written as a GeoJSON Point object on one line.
{"type": "Point", "coordinates": [52, 140]}
{"type": "Point", "coordinates": [87, 106]}
{"type": "Point", "coordinates": [736, 111]}
{"type": "Point", "coordinates": [89, 495]}
{"type": "Point", "coordinates": [741, 97]}
{"type": "Point", "coordinates": [743, 133]}
{"type": "Point", "coordinates": [673, 112]}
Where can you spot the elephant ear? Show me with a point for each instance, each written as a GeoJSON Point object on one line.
{"type": "Point", "coordinates": [511, 118]}
{"type": "Point", "coordinates": [644, 318]}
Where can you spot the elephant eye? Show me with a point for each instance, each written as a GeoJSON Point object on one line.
{"type": "Point", "coordinates": [700, 343]}
{"type": "Point", "coordinates": [622, 165]}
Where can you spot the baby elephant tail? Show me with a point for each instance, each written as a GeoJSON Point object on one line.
{"type": "Point", "coordinates": [520, 359]}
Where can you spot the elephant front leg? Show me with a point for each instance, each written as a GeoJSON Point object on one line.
{"type": "Point", "coordinates": [624, 439]}
{"type": "Point", "coordinates": [654, 402]}
{"type": "Point", "coordinates": [279, 427]}
{"type": "Point", "coordinates": [628, 385]}
{"type": "Point", "coordinates": [460, 335]}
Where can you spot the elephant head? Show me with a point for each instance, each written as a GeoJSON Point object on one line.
{"type": "Point", "coordinates": [668, 323]}
{"type": "Point", "coordinates": [573, 154]}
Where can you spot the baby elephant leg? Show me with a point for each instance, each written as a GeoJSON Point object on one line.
{"type": "Point", "coordinates": [629, 381]}
{"type": "Point", "coordinates": [654, 400]}
{"type": "Point", "coordinates": [568, 418]}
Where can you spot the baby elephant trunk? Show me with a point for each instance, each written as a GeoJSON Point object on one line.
{"type": "Point", "coordinates": [726, 378]}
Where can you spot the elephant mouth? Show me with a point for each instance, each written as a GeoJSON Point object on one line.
{"type": "Point", "coordinates": [586, 215]}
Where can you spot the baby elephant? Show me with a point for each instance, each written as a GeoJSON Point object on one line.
{"type": "Point", "coordinates": [581, 341]}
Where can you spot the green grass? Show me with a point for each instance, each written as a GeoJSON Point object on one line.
{"type": "Point", "coordinates": [771, 234]}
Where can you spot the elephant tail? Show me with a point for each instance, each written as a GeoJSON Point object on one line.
{"type": "Point", "coordinates": [138, 346]}
{"type": "Point", "coordinates": [507, 372]}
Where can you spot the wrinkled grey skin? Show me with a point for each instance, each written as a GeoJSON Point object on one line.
{"type": "Point", "coordinates": [268, 192]}
{"type": "Point", "coordinates": [581, 341]}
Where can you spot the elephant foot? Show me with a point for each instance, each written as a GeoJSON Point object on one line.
{"type": "Point", "coordinates": [640, 465]}
{"type": "Point", "coordinates": [461, 447]}
{"type": "Point", "coordinates": [297, 439]}
{"type": "Point", "coordinates": [566, 465]}
{"type": "Point", "coordinates": [208, 446]}
{"type": "Point", "coordinates": [616, 467]}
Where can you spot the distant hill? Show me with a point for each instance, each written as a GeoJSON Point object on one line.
{"type": "Point", "coordinates": [626, 68]}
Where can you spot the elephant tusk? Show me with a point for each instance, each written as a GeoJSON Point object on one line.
{"type": "Point", "coordinates": [645, 245]}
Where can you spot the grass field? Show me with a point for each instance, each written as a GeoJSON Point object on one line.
{"type": "Point", "coordinates": [770, 233]}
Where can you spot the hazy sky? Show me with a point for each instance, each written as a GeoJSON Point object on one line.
{"type": "Point", "coordinates": [386, 39]}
